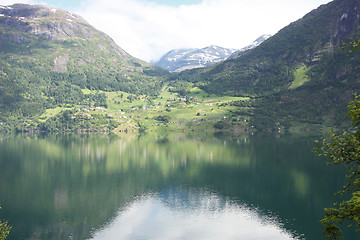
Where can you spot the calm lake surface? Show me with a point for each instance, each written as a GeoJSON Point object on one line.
{"type": "Point", "coordinates": [175, 186]}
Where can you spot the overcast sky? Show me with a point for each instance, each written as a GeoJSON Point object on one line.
{"type": "Point", "coordinates": [147, 29]}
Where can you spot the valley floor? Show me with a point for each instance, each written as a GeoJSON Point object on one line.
{"type": "Point", "coordinates": [168, 111]}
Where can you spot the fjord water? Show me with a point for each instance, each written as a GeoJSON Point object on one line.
{"type": "Point", "coordinates": [177, 186]}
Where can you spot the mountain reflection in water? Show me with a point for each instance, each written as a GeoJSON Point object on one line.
{"type": "Point", "coordinates": [170, 186]}
{"type": "Point", "coordinates": [191, 215]}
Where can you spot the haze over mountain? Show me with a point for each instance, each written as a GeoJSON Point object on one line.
{"type": "Point", "coordinates": [178, 60]}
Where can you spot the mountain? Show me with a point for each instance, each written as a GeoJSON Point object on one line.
{"type": "Point", "coordinates": [182, 59]}
{"type": "Point", "coordinates": [178, 60]}
{"type": "Point", "coordinates": [254, 44]}
{"type": "Point", "coordinates": [299, 75]}
{"type": "Point", "coordinates": [48, 55]}
{"type": "Point", "coordinates": [55, 69]}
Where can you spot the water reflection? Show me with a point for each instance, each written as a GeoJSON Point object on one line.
{"type": "Point", "coordinates": [191, 215]}
{"type": "Point", "coordinates": [62, 187]}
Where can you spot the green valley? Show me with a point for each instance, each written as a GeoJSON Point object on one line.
{"type": "Point", "coordinates": [58, 73]}
{"type": "Point", "coordinates": [124, 112]}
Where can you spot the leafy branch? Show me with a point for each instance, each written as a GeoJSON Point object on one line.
{"type": "Point", "coordinates": [351, 47]}
{"type": "Point", "coordinates": [4, 229]}
{"type": "Point", "coordinates": [344, 150]}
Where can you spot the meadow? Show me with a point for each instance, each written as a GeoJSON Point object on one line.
{"type": "Point", "coordinates": [168, 111]}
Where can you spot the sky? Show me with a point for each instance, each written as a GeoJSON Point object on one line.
{"type": "Point", "coordinates": [147, 29]}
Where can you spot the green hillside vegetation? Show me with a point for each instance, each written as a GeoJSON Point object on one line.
{"type": "Point", "coordinates": [67, 76]}
{"type": "Point", "coordinates": [125, 112]}
{"type": "Point", "coordinates": [48, 70]}
{"type": "Point", "coordinates": [299, 76]}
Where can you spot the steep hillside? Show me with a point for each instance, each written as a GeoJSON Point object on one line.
{"type": "Point", "coordinates": [59, 73]}
{"type": "Point", "coordinates": [299, 74]}
{"type": "Point", "coordinates": [48, 55]}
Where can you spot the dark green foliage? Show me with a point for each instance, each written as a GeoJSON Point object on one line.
{"type": "Point", "coordinates": [267, 72]}
{"type": "Point", "coordinates": [247, 79]}
{"type": "Point", "coordinates": [352, 46]}
{"type": "Point", "coordinates": [344, 150]}
{"type": "Point", "coordinates": [130, 98]}
{"type": "Point", "coordinates": [180, 86]}
{"type": "Point", "coordinates": [98, 99]}
{"type": "Point", "coordinates": [74, 121]}
{"type": "Point", "coordinates": [156, 71]}
{"type": "Point", "coordinates": [163, 118]}
{"type": "Point", "coordinates": [222, 125]}
{"type": "Point", "coordinates": [321, 104]}
{"type": "Point", "coordinates": [39, 72]}
{"type": "Point", "coordinates": [83, 65]}
{"type": "Point", "coordinates": [4, 229]}
{"type": "Point", "coordinates": [10, 92]}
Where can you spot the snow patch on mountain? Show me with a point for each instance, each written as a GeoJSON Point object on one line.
{"type": "Point", "coordinates": [180, 59]}
{"type": "Point", "coordinates": [254, 44]}
{"type": "Point", "coordinates": [177, 59]}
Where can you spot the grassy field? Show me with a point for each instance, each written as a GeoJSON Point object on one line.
{"type": "Point", "coordinates": [300, 77]}
{"type": "Point", "coordinates": [52, 112]}
{"type": "Point", "coordinates": [196, 111]}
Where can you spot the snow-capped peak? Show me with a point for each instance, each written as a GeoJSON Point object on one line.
{"type": "Point", "coordinates": [179, 59]}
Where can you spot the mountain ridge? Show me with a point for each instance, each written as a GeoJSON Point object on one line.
{"type": "Point", "coordinates": [48, 55]}
{"type": "Point", "coordinates": [178, 60]}
{"type": "Point", "coordinates": [306, 51]}
{"type": "Point", "coordinates": [298, 77]}
{"type": "Point", "coordinates": [254, 44]}
{"type": "Point", "coordinates": [48, 23]}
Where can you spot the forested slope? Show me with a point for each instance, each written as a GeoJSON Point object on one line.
{"type": "Point", "coordinates": [299, 74]}
{"type": "Point", "coordinates": [48, 55]}
{"type": "Point", "coordinates": [53, 59]}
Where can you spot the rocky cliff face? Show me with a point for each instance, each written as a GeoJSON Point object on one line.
{"type": "Point", "coordinates": [348, 21]}
{"type": "Point", "coordinates": [50, 23]}
{"type": "Point", "coordinates": [43, 48]}
{"type": "Point", "coordinates": [21, 21]}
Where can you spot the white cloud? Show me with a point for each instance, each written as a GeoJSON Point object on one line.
{"type": "Point", "coordinates": [148, 30]}
{"type": "Point", "coordinates": [203, 217]}
{"type": "Point", "coordinates": [11, 2]}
